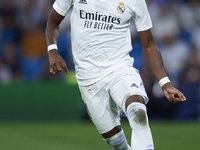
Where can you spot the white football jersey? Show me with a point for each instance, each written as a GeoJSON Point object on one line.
{"type": "Point", "coordinates": [100, 33]}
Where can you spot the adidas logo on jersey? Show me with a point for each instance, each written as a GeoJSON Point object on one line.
{"type": "Point", "coordinates": [83, 2]}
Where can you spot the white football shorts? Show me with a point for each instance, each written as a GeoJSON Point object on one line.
{"type": "Point", "coordinates": [106, 98]}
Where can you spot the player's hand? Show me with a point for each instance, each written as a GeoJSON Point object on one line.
{"type": "Point", "coordinates": [56, 62]}
{"type": "Point", "coordinates": [172, 94]}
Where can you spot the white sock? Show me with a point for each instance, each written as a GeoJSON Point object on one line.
{"type": "Point", "coordinates": [118, 142]}
{"type": "Point", "coordinates": [141, 134]}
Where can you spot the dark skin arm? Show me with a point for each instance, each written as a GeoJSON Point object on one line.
{"type": "Point", "coordinates": [56, 63]}
{"type": "Point", "coordinates": [155, 62]}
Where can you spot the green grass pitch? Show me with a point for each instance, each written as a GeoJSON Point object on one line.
{"type": "Point", "coordinates": [84, 136]}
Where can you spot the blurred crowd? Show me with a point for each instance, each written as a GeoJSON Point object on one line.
{"type": "Point", "coordinates": [176, 30]}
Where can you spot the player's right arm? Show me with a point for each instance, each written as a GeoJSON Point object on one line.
{"type": "Point", "coordinates": [56, 63]}
{"type": "Point", "coordinates": [151, 52]}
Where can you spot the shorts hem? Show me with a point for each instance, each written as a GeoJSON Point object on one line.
{"type": "Point", "coordinates": [107, 129]}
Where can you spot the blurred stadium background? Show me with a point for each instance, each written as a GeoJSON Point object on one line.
{"type": "Point", "coordinates": [41, 111]}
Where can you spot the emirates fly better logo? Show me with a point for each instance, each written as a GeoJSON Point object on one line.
{"type": "Point", "coordinates": [121, 8]}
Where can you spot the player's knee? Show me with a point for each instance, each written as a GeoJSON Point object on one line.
{"type": "Point", "coordinates": [136, 113]}
{"type": "Point", "coordinates": [117, 142]}
{"type": "Point", "coordinates": [140, 117]}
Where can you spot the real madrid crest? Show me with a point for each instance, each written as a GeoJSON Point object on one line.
{"type": "Point", "coordinates": [121, 8]}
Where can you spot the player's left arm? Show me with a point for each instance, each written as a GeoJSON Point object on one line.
{"type": "Point", "coordinates": [155, 62]}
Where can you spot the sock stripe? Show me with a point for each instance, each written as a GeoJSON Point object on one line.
{"type": "Point", "coordinates": [133, 109]}
{"type": "Point", "coordinates": [118, 143]}
{"type": "Point", "coordinates": [122, 142]}
{"type": "Point", "coordinates": [120, 137]}
{"type": "Point", "coordinates": [131, 115]}
{"type": "Point", "coordinates": [117, 140]}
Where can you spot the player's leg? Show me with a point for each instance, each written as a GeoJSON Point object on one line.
{"type": "Point", "coordinates": [116, 139]}
{"type": "Point", "coordinates": [105, 115]}
{"type": "Point", "coordinates": [129, 93]}
{"type": "Point", "coordinates": [141, 134]}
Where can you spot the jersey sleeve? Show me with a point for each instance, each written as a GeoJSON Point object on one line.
{"type": "Point", "coordinates": [62, 6]}
{"type": "Point", "coordinates": [141, 16]}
